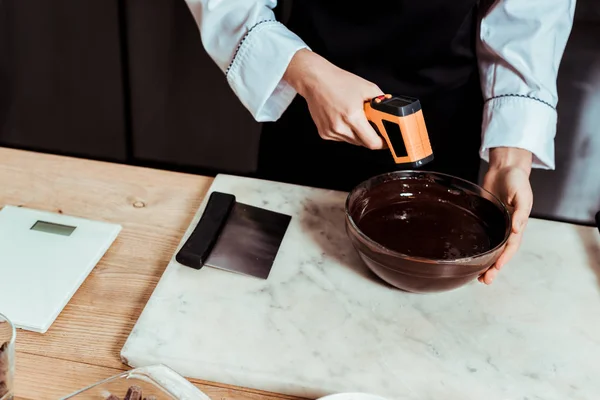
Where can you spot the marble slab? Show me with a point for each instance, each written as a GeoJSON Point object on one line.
{"type": "Point", "coordinates": [322, 323]}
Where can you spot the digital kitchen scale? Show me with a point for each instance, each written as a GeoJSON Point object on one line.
{"type": "Point", "coordinates": [44, 258]}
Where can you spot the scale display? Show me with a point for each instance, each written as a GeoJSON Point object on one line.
{"type": "Point", "coordinates": [55, 229]}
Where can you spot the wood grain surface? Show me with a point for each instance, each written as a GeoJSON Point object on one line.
{"type": "Point", "coordinates": [154, 207]}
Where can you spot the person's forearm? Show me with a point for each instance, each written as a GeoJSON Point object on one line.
{"type": "Point", "coordinates": [304, 69]}
{"type": "Point", "coordinates": [297, 69]}
{"type": "Point", "coordinates": [511, 157]}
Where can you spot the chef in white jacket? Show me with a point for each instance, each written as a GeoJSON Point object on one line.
{"type": "Point", "coordinates": [485, 73]}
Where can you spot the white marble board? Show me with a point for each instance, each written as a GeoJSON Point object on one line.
{"type": "Point", "coordinates": [322, 323]}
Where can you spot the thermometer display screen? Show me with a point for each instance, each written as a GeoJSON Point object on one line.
{"type": "Point", "coordinates": [50, 227]}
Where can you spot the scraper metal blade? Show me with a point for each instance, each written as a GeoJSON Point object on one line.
{"type": "Point", "coordinates": [235, 237]}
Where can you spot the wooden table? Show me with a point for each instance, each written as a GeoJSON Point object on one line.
{"type": "Point", "coordinates": [154, 207]}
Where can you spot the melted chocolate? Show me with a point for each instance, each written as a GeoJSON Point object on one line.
{"type": "Point", "coordinates": [424, 217]}
{"type": "Point", "coordinates": [427, 228]}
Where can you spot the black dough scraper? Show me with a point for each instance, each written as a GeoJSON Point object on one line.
{"type": "Point", "coordinates": [235, 237]}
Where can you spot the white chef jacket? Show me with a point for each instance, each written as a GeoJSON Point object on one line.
{"type": "Point", "coordinates": [519, 48]}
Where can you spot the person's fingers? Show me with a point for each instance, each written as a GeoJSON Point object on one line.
{"type": "Point", "coordinates": [342, 132]}
{"type": "Point", "coordinates": [489, 276]}
{"type": "Point", "coordinates": [522, 209]}
{"type": "Point", "coordinates": [358, 120]}
{"type": "Point", "coordinates": [329, 135]}
{"type": "Point", "coordinates": [512, 245]}
{"type": "Point", "coordinates": [352, 140]}
{"type": "Point", "coordinates": [365, 132]}
{"type": "Point", "coordinates": [513, 188]}
{"type": "Point", "coordinates": [334, 137]}
{"type": "Point", "coordinates": [371, 91]}
{"type": "Point", "coordinates": [522, 204]}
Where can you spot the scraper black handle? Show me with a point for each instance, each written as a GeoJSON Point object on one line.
{"type": "Point", "coordinates": [598, 220]}
{"type": "Point", "coordinates": [198, 246]}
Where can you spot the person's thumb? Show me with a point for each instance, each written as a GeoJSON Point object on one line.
{"type": "Point", "coordinates": [522, 203]}
{"type": "Point", "coordinates": [370, 91]}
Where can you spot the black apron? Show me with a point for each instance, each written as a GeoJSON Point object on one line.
{"type": "Point", "coordinates": [424, 49]}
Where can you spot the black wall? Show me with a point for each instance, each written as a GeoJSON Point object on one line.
{"type": "Point", "coordinates": [60, 82]}
{"type": "Point", "coordinates": [183, 111]}
{"type": "Point", "coordinates": [126, 81]}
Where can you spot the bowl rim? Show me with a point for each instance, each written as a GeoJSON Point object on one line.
{"type": "Point", "coordinates": [394, 253]}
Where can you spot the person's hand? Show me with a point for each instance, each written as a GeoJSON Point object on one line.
{"type": "Point", "coordinates": [508, 178]}
{"type": "Point", "coordinates": [335, 99]}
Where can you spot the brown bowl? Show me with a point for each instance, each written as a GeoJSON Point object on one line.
{"type": "Point", "coordinates": [426, 231]}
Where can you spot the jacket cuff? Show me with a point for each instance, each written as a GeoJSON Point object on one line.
{"type": "Point", "coordinates": [522, 122]}
{"type": "Point", "coordinates": [258, 66]}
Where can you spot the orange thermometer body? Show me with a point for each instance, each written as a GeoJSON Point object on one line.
{"type": "Point", "coordinates": [399, 121]}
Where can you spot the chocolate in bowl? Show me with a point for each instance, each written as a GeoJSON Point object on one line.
{"type": "Point", "coordinates": [426, 231]}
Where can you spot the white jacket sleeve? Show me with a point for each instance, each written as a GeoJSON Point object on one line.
{"type": "Point", "coordinates": [252, 48]}
{"type": "Point", "coordinates": [519, 48]}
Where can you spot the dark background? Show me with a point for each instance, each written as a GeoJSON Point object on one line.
{"type": "Point", "coordinates": [129, 81]}
{"type": "Point", "coordinates": [124, 81]}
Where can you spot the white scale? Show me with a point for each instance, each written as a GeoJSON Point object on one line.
{"type": "Point", "coordinates": [44, 258]}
